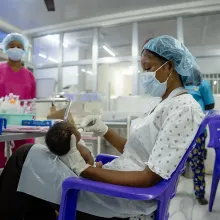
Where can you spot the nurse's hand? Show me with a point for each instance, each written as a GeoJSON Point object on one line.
{"type": "Point", "coordinates": [73, 159]}
{"type": "Point", "coordinates": [94, 124]}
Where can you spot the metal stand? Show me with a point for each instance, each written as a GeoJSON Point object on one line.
{"type": "Point", "coordinates": [7, 137]}
{"type": "Point", "coordinates": [67, 111]}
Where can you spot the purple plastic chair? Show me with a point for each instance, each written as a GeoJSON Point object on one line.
{"type": "Point", "coordinates": [214, 126]}
{"type": "Point", "coordinates": [163, 192]}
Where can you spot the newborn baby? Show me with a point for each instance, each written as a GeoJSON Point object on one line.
{"type": "Point", "coordinates": [58, 142]}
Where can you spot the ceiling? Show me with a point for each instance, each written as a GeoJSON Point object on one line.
{"type": "Point", "coordinates": [29, 14]}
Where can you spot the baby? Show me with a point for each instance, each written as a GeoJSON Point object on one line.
{"type": "Point", "coordinates": [58, 141]}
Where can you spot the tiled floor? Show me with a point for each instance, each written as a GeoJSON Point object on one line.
{"type": "Point", "coordinates": [185, 207]}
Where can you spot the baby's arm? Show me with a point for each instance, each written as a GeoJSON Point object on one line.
{"type": "Point", "coordinates": [86, 154]}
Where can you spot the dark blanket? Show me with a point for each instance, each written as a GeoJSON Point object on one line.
{"type": "Point", "coordinates": [15, 205]}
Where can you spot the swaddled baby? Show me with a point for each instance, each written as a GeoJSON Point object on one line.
{"type": "Point", "coordinates": [58, 140]}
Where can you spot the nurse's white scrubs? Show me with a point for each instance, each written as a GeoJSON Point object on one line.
{"type": "Point", "coordinates": [157, 140]}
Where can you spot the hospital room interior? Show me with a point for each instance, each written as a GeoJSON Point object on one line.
{"type": "Point", "coordinates": [115, 74]}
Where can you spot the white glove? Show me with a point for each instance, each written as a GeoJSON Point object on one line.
{"type": "Point", "coordinates": [73, 159]}
{"type": "Point", "coordinates": [94, 124]}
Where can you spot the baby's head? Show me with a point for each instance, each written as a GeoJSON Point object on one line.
{"type": "Point", "coordinates": [58, 137]}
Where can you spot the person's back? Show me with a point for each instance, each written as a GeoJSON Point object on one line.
{"type": "Point", "coordinates": [202, 94]}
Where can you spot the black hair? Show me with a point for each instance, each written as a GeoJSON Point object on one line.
{"type": "Point", "coordinates": [58, 138]}
{"type": "Point", "coordinates": [163, 59]}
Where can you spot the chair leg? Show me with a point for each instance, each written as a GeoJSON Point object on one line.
{"type": "Point", "coordinates": [68, 205]}
{"type": "Point", "coordinates": [162, 210]}
{"type": "Point", "coordinates": [215, 181]}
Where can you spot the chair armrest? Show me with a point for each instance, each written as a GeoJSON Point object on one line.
{"type": "Point", "coordinates": [105, 158]}
{"type": "Point", "coordinates": [132, 193]}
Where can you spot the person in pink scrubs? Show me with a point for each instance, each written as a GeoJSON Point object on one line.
{"type": "Point", "coordinates": [14, 78]}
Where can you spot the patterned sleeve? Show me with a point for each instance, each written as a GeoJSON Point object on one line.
{"type": "Point", "coordinates": [176, 135]}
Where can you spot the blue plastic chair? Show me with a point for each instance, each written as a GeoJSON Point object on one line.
{"type": "Point", "coordinates": [162, 192]}
{"type": "Point", "coordinates": [214, 128]}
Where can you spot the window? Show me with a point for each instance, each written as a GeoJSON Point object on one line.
{"type": "Point", "coordinates": [214, 80]}
{"type": "Point", "coordinates": [78, 45]}
{"type": "Point", "coordinates": [47, 73]}
{"type": "Point", "coordinates": [46, 50]}
{"type": "Point", "coordinates": [46, 80]}
{"type": "Point", "coordinates": [119, 75]}
{"type": "Point", "coordinates": [80, 77]}
{"type": "Point", "coordinates": [115, 41]}
{"type": "Point", "coordinates": [2, 35]}
{"type": "Point", "coordinates": [151, 29]}
{"type": "Point", "coordinates": [3, 56]}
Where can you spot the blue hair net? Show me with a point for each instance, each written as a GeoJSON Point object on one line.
{"type": "Point", "coordinates": [15, 37]}
{"type": "Point", "coordinates": [172, 49]}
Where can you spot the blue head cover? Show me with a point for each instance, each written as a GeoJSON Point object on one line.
{"type": "Point", "coordinates": [172, 49]}
{"type": "Point", "coordinates": [15, 37]}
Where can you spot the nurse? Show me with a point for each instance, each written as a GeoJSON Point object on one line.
{"type": "Point", "coordinates": [14, 78]}
{"type": "Point", "coordinates": [204, 96]}
{"type": "Point", "coordinates": [157, 142]}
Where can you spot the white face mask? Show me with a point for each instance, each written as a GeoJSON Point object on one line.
{"type": "Point", "coordinates": [152, 85]}
{"type": "Point", "coordinates": [15, 54]}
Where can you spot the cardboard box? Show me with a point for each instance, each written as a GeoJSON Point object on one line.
{"type": "Point", "coordinates": [59, 114]}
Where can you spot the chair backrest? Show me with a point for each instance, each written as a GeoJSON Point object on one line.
{"type": "Point", "coordinates": [210, 116]}
{"type": "Point", "coordinates": [214, 130]}
{"type": "Point", "coordinates": [172, 182]}
{"type": "Point", "coordinates": [181, 166]}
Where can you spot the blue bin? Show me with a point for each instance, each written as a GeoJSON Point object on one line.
{"type": "Point", "coordinates": [3, 123]}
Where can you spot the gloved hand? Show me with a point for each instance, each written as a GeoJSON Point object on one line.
{"type": "Point", "coordinates": [73, 158]}
{"type": "Point", "coordinates": [94, 124]}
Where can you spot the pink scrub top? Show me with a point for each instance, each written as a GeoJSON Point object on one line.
{"type": "Point", "coordinates": [20, 83]}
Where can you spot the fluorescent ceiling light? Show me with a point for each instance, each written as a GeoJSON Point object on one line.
{"type": "Point", "coordinates": [53, 60]}
{"type": "Point", "coordinates": [65, 45]}
{"type": "Point", "coordinates": [42, 55]}
{"type": "Point", "coordinates": [83, 70]}
{"type": "Point", "coordinates": [89, 72]}
{"type": "Point", "coordinates": [108, 50]}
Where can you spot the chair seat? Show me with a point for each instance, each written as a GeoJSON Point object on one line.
{"type": "Point", "coordinates": [116, 191]}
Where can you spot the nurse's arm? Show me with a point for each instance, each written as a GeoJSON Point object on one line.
{"type": "Point", "coordinates": [116, 140]}
{"type": "Point", "coordinates": [145, 178]}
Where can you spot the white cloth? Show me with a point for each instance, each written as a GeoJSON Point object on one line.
{"type": "Point", "coordinates": [158, 140]}
{"type": "Point", "coordinates": [42, 174]}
